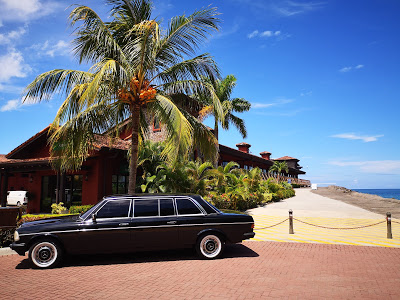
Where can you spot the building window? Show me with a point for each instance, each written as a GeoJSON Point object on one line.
{"type": "Point", "coordinates": [246, 167]}
{"type": "Point", "coordinates": [120, 184]}
{"type": "Point", "coordinates": [156, 125]}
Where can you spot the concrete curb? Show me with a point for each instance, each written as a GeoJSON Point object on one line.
{"type": "Point", "coordinates": [7, 251]}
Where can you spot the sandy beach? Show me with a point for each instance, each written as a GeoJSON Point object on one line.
{"type": "Point", "coordinates": [368, 202]}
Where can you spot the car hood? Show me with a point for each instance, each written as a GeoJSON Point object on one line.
{"type": "Point", "coordinates": [50, 221]}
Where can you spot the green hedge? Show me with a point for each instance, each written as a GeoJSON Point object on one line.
{"type": "Point", "coordinates": [79, 209]}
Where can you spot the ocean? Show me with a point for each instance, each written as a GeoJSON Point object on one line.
{"type": "Point", "coordinates": [385, 193]}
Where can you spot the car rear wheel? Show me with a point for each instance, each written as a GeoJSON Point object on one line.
{"type": "Point", "coordinates": [210, 246]}
{"type": "Point", "coordinates": [45, 254]}
{"type": "Point", "coordinates": [18, 203]}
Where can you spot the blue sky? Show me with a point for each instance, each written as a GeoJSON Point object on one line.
{"type": "Point", "coordinates": [322, 76]}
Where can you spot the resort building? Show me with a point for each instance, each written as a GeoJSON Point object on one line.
{"type": "Point", "coordinates": [105, 172]}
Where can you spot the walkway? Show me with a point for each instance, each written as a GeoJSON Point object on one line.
{"type": "Point", "coordinates": [262, 270]}
{"type": "Point", "coordinates": [319, 210]}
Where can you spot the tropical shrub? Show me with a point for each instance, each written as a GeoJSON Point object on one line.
{"type": "Point", "coordinates": [58, 208]}
{"type": "Point", "coordinates": [79, 209]}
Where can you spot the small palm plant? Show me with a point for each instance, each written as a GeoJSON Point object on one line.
{"type": "Point", "coordinates": [136, 67]}
{"type": "Point", "coordinates": [279, 167]}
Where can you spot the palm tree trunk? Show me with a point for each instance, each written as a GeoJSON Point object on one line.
{"type": "Point", "coordinates": [216, 136]}
{"type": "Point", "coordinates": [135, 119]}
{"type": "Point", "coordinates": [216, 129]}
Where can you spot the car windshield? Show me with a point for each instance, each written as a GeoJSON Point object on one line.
{"type": "Point", "coordinates": [90, 211]}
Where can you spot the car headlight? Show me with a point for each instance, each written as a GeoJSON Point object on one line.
{"type": "Point", "coordinates": [16, 236]}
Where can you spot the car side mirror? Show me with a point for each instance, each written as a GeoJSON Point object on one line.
{"type": "Point", "coordinates": [94, 217]}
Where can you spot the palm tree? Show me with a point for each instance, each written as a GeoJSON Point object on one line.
{"type": "Point", "coordinates": [199, 174]}
{"type": "Point", "coordinates": [278, 167]}
{"type": "Point", "coordinates": [223, 89]}
{"type": "Point", "coordinates": [221, 175]}
{"type": "Point", "coordinates": [136, 67]}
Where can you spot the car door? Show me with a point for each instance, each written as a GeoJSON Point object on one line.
{"type": "Point", "coordinates": [154, 224]}
{"type": "Point", "coordinates": [191, 220]}
{"type": "Point", "coordinates": [110, 231]}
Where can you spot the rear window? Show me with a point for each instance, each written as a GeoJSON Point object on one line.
{"type": "Point", "coordinates": [146, 208]}
{"type": "Point", "coordinates": [207, 206]}
{"type": "Point", "coordinates": [187, 207]}
{"type": "Point", "coordinates": [167, 207]}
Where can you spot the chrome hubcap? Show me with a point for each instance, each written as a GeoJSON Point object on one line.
{"type": "Point", "coordinates": [210, 246]}
{"type": "Point", "coordinates": [44, 254]}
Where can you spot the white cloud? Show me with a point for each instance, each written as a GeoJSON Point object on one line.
{"type": "Point", "coordinates": [12, 65]}
{"type": "Point", "coordinates": [60, 48]}
{"type": "Point", "coordinates": [291, 8]}
{"type": "Point", "coordinates": [374, 167]}
{"type": "Point", "coordinates": [303, 94]}
{"type": "Point", "coordinates": [253, 34]}
{"type": "Point", "coordinates": [345, 69]}
{"type": "Point", "coordinates": [266, 33]}
{"type": "Point", "coordinates": [26, 10]}
{"type": "Point", "coordinates": [11, 105]}
{"type": "Point", "coordinates": [348, 69]}
{"type": "Point", "coordinates": [15, 104]}
{"type": "Point", "coordinates": [12, 36]}
{"type": "Point", "coordinates": [266, 105]}
{"type": "Point", "coordinates": [12, 89]}
{"type": "Point", "coordinates": [352, 136]}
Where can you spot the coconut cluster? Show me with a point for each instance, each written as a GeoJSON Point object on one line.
{"type": "Point", "coordinates": [146, 94]}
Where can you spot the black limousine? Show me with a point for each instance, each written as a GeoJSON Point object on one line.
{"type": "Point", "coordinates": [128, 223]}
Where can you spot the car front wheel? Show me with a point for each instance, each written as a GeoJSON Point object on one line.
{"type": "Point", "coordinates": [45, 254]}
{"type": "Point", "coordinates": [210, 246]}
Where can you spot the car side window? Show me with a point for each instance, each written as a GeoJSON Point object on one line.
{"type": "Point", "coordinates": [115, 209]}
{"type": "Point", "coordinates": [167, 207]}
{"type": "Point", "coordinates": [146, 208]}
{"type": "Point", "coordinates": [187, 207]}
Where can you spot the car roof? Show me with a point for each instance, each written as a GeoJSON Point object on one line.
{"type": "Point", "coordinates": [145, 195]}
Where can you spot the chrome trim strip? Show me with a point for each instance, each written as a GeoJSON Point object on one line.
{"type": "Point", "coordinates": [137, 227]}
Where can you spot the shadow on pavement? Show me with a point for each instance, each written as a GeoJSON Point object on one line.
{"type": "Point", "coordinates": [231, 251]}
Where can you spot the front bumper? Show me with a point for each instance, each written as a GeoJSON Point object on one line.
{"type": "Point", "coordinates": [20, 248]}
{"type": "Point", "coordinates": [248, 235]}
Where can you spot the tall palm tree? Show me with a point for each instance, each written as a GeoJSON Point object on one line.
{"type": "Point", "coordinates": [223, 89]}
{"type": "Point", "coordinates": [136, 68]}
{"type": "Point", "coordinates": [279, 167]}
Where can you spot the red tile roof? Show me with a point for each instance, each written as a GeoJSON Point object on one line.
{"type": "Point", "coordinates": [285, 158]}
{"type": "Point", "coordinates": [101, 141]}
{"type": "Point", "coordinates": [28, 141]}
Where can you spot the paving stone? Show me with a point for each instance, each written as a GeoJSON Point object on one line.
{"type": "Point", "coordinates": [252, 270]}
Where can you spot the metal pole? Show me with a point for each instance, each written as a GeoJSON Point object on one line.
{"type": "Point", "coordinates": [291, 222]}
{"type": "Point", "coordinates": [389, 225]}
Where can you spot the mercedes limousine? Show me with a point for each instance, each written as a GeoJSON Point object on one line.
{"type": "Point", "coordinates": [130, 223]}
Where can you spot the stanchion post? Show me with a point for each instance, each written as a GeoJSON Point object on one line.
{"type": "Point", "coordinates": [389, 225]}
{"type": "Point", "coordinates": [291, 222]}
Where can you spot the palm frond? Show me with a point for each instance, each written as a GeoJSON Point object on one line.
{"type": "Point", "coordinates": [44, 86]}
{"type": "Point", "coordinates": [94, 39]}
{"type": "Point", "coordinates": [185, 34]}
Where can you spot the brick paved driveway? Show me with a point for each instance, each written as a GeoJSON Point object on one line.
{"type": "Point", "coordinates": [252, 270]}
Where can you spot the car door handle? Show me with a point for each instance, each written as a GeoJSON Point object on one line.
{"type": "Point", "coordinates": [171, 222]}
{"type": "Point", "coordinates": [123, 224]}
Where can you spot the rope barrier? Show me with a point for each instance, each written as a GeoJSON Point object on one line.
{"type": "Point", "coordinates": [340, 228]}
{"type": "Point", "coordinates": [272, 225]}
{"type": "Point", "coordinates": [395, 222]}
